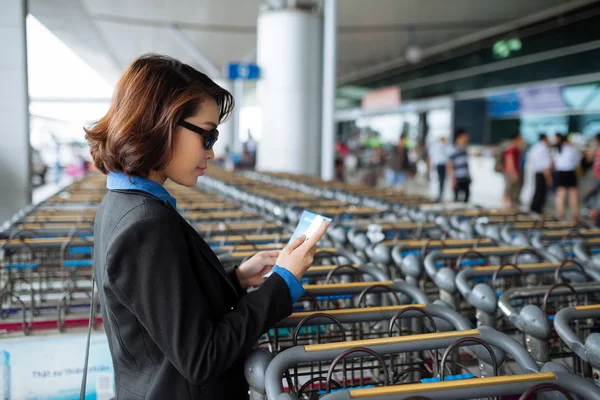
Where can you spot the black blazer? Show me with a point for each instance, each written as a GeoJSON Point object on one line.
{"type": "Point", "coordinates": [178, 325]}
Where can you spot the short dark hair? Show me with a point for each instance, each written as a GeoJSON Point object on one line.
{"type": "Point", "coordinates": [153, 94]}
{"type": "Point", "coordinates": [460, 132]}
{"type": "Point", "coordinates": [543, 137]}
{"type": "Point", "coordinates": [598, 137]}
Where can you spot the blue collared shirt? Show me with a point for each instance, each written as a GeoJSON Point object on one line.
{"type": "Point", "coordinates": [122, 181]}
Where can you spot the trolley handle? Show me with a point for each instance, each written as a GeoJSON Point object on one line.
{"type": "Point", "coordinates": [379, 357]}
{"type": "Point", "coordinates": [496, 272]}
{"type": "Point", "coordinates": [552, 288]}
{"type": "Point", "coordinates": [563, 264]}
{"type": "Point", "coordinates": [319, 315]}
{"type": "Point", "coordinates": [339, 267]}
{"type": "Point", "coordinates": [362, 295]}
{"type": "Point", "coordinates": [466, 340]}
{"type": "Point", "coordinates": [545, 387]}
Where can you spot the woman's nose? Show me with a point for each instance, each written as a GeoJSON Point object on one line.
{"type": "Point", "coordinates": [210, 154]}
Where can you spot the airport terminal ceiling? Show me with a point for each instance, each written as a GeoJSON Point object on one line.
{"type": "Point", "coordinates": [109, 34]}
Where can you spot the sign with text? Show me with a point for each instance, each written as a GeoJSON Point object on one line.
{"type": "Point", "coordinates": [243, 71]}
{"type": "Point", "coordinates": [51, 368]}
{"type": "Point", "coordinates": [380, 99]}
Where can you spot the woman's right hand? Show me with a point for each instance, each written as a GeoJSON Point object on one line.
{"type": "Point", "coordinates": [298, 256]}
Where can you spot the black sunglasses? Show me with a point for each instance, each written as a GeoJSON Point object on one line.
{"type": "Point", "coordinates": [210, 137]}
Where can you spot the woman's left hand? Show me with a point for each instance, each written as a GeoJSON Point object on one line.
{"type": "Point", "coordinates": [251, 272]}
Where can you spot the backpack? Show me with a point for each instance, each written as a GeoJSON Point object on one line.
{"type": "Point", "coordinates": [499, 157]}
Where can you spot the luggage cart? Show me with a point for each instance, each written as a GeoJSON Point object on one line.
{"type": "Point", "coordinates": [588, 251]}
{"type": "Point", "coordinates": [560, 244]}
{"type": "Point", "coordinates": [496, 347]}
{"type": "Point", "coordinates": [531, 309]}
{"type": "Point", "coordinates": [408, 255]}
{"type": "Point", "coordinates": [525, 385]}
{"type": "Point", "coordinates": [441, 265]}
{"type": "Point", "coordinates": [579, 328]}
{"type": "Point", "coordinates": [482, 286]}
{"type": "Point", "coordinates": [520, 231]}
{"type": "Point", "coordinates": [341, 325]}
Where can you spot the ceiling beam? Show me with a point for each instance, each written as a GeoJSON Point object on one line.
{"type": "Point", "coordinates": [71, 23]}
{"type": "Point", "coordinates": [154, 23]}
{"type": "Point", "coordinates": [199, 57]}
{"type": "Point", "coordinates": [465, 40]}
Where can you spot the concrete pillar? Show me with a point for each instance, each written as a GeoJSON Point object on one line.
{"type": "Point", "coordinates": [290, 53]}
{"type": "Point", "coordinates": [329, 87]}
{"type": "Point", "coordinates": [226, 128]}
{"type": "Point", "coordinates": [15, 181]}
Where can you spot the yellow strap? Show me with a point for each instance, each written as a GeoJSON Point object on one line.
{"type": "Point", "coordinates": [350, 285]}
{"type": "Point", "coordinates": [483, 250]}
{"type": "Point", "coordinates": [354, 311]}
{"type": "Point", "coordinates": [590, 307]}
{"type": "Point", "coordinates": [447, 385]}
{"type": "Point", "coordinates": [391, 340]}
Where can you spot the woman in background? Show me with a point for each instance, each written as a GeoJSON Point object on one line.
{"type": "Point", "coordinates": [566, 158]}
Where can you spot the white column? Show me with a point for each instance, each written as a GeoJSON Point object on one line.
{"type": "Point", "coordinates": [238, 94]}
{"type": "Point", "coordinates": [15, 181]}
{"type": "Point", "coordinates": [225, 128]}
{"type": "Point", "coordinates": [289, 53]}
{"type": "Point", "coordinates": [329, 86]}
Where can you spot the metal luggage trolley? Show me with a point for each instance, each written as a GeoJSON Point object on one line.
{"type": "Point", "coordinates": [43, 273]}
{"type": "Point", "coordinates": [466, 223]}
{"type": "Point", "coordinates": [442, 265]}
{"type": "Point", "coordinates": [481, 287]}
{"type": "Point", "coordinates": [367, 236]}
{"type": "Point", "coordinates": [308, 328]}
{"type": "Point", "coordinates": [496, 347]}
{"type": "Point", "coordinates": [588, 251]}
{"type": "Point", "coordinates": [560, 243]}
{"type": "Point", "coordinates": [579, 328]}
{"type": "Point", "coordinates": [532, 309]}
{"type": "Point", "coordinates": [408, 256]}
{"type": "Point", "coordinates": [524, 230]}
{"type": "Point", "coordinates": [526, 385]}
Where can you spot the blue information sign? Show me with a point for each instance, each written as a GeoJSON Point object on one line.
{"type": "Point", "coordinates": [243, 71]}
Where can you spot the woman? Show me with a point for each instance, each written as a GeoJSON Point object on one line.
{"type": "Point", "coordinates": [178, 325]}
{"type": "Point", "coordinates": [567, 159]}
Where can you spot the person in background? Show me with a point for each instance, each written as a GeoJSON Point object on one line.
{"type": "Point", "coordinates": [398, 164]}
{"type": "Point", "coordinates": [340, 169]}
{"type": "Point", "coordinates": [541, 161]}
{"type": "Point", "coordinates": [566, 158]}
{"type": "Point", "coordinates": [512, 171]}
{"type": "Point", "coordinates": [458, 166]}
{"type": "Point", "coordinates": [595, 216]}
{"type": "Point", "coordinates": [594, 156]}
{"type": "Point", "coordinates": [373, 168]}
{"type": "Point", "coordinates": [439, 152]}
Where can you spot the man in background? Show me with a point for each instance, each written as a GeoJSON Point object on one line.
{"type": "Point", "coordinates": [458, 166]}
{"type": "Point", "coordinates": [541, 161]}
{"type": "Point", "coordinates": [512, 171]}
{"type": "Point", "coordinates": [439, 153]}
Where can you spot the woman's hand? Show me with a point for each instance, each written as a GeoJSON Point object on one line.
{"type": "Point", "coordinates": [298, 255]}
{"type": "Point", "coordinates": [251, 272]}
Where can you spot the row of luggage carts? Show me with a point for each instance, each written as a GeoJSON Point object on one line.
{"type": "Point", "coordinates": [406, 299]}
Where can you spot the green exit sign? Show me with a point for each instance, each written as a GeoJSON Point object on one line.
{"type": "Point", "coordinates": [504, 48]}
